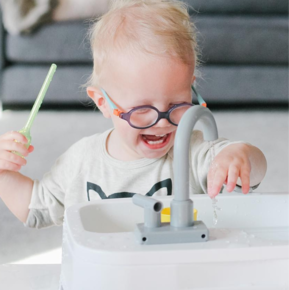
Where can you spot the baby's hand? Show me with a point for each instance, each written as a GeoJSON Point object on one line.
{"type": "Point", "coordinates": [230, 164]}
{"type": "Point", "coordinates": [13, 141]}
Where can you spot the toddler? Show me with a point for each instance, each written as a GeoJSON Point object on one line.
{"type": "Point", "coordinates": [145, 59]}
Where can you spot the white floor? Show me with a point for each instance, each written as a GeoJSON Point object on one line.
{"type": "Point", "coordinates": [49, 257]}
{"type": "Point", "coordinates": [53, 132]}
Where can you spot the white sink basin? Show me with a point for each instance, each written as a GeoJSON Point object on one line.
{"type": "Point", "coordinates": [247, 249]}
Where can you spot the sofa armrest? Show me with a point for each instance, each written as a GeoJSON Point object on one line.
{"type": "Point", "coordinates": [2, 43]}
{"type": "Point", "coordinates": [2, 59]}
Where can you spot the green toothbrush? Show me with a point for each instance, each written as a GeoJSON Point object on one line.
{"type": "Point", "coordinates": [26, 129]}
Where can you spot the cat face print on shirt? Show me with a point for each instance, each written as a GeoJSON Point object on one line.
{"type": "Point", "coordinates": [97, 190]}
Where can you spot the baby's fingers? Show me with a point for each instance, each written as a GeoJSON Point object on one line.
{"type": "Point", "coordinates": [245, 178]}
{"type": "Point", "coordinates": [216, 179]}
{"type": "Point", "coordinates": [10, 161]}
{"type": "Point", "coordinates": [11, 145]}
{"type": "Point", "coordinates": [14, 135]}
{"type": "Point", "coordinates": [30, 148]}
{"type": "Point", "coordinates": [233, 175]}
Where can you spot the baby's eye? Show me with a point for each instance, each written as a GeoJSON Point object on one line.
{"type": "Point", "coordinates": [171, 105]}
{"type": "Point", "coordinates": [142, 110]}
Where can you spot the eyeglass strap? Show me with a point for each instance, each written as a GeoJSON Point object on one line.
{"type": "Point", "coordinates": [200, 99]}
{"type": "Point", "coordinates": [112, 105]}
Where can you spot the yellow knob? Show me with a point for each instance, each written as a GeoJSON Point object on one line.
{"type": "Point", "coordinates": [166, 215]}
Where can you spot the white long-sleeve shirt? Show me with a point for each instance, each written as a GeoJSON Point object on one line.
{"type": "Point", "coordinates": [87, 172]}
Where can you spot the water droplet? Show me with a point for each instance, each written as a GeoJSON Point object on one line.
{"type": "Point", "coordinates": [215, 208]}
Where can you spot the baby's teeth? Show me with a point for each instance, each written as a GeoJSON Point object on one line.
{"type": "Point", "coordinates": [161, 135]}
{"type": "Point", "coordinates": [155, 142]}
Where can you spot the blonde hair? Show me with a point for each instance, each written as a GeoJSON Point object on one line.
{"type": "Point", "coordinates": [158, 27]}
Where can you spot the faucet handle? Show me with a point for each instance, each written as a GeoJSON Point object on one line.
{"type": "Point", "coordinates": [152, 210]}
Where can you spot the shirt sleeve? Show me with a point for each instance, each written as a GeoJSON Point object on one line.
{"type": "Point", "coordinates": [47, 203]}
{"type": "Point", "coordinates": [202, 154]}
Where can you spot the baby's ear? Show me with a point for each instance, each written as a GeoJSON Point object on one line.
{"type": "Point", "coordinates": [96, 95]}
{"type": "Point", "coordinates": [193, 80]}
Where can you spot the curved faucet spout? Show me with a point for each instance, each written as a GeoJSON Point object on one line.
{"type": "Point", "coordinates": [182, 206]}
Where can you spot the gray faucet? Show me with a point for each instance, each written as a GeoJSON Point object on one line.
{"type": "Point", "coordinates": [182, 228]}
{"type": "Point", "coordinates": [182, 205]}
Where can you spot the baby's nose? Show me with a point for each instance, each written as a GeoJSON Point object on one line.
{"type": "Point", "coordinates": [163, 123]}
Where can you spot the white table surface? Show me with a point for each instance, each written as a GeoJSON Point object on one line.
{"type": "Point", "coordinates": [30, 277]}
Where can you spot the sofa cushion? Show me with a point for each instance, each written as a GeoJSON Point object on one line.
{"type": "Point", "coordinates": [61, 42]}
{"type": "Point", "coordinates": [2, 33]}
{"type": "Point", "coordinates": [239, 7]}
{"type": "Point", "coordinates": [227, 39]}
{"type": "Point", "coordinates": [22, 83]}
{"type": "Point", "coordinates": [218, 84]}
{"type": "Point", "coordinates": [243, 39]}
{"type": "Point", "coordinates": [244, 84]}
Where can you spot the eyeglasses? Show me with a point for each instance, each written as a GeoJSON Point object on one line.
{"type": "Point", "coordinates": [143, 117]}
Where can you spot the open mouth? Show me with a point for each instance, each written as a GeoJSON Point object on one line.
{"type": "Point", "coordinates": [156, 141]}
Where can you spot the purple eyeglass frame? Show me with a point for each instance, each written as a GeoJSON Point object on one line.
{"type": "Point", "coordinates": [161, 115]}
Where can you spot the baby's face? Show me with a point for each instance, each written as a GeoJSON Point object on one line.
{"type": "Point", "coordinates": [136, 81]}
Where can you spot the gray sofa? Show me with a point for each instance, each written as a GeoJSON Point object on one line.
{"type": "Point", "coordinates": [244, 48]}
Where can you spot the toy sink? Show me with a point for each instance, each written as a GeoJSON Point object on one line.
{"type": "Point", "coordinates": [247, 249]}
{"type": "Point", "coordinates": [114, 244]}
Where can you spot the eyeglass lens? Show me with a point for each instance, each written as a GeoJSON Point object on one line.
{"type": "Point", "coordinates": [144, 117]}
{"type": "Point", "coordinates": [177, 113]}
